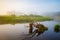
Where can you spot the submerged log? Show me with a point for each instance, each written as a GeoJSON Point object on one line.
{"type": "Point", "coordinates": [40, 28]}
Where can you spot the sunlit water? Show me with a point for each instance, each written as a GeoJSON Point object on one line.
{"type": "Point", "coordinates": [21, 31]}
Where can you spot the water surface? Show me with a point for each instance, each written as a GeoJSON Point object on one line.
{"type": "Point", "coordinates": [21, 31]}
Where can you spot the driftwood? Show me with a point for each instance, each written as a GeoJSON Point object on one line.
{"type": "Point", "coordinates": [40, 29]}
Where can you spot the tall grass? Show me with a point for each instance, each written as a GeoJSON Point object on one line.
{"type": "Point", "coordinates": [22, 19]}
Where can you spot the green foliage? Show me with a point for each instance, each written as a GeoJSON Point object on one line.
{"type": "Point", "coordinates": [57, 28]}
{"type": "Point", "coordinates": [22, 18]}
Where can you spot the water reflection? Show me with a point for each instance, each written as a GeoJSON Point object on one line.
{"type": "Point", "coordinates": [38, 33]}
{"type": "Point", "coordinates": [20, 31]}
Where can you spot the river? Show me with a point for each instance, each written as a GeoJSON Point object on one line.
{"type": "Point", "coordinates": [21, 32]}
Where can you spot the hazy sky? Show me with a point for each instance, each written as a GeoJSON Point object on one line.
{"type": "Point", "coordinates": [29, 5]}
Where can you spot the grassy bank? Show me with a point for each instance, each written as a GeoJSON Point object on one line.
{"type": "Point", "coordinates": [22, 18]}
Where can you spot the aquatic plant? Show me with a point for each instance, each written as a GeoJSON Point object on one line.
{"type": "Point", "coordinates": [57, 28]}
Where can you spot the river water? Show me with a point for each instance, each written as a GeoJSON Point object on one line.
{"type": "Point", "coordinates": [21, 32]}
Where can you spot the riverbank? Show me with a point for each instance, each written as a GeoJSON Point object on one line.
{"type": "Point", "coordinates": [22, 19]}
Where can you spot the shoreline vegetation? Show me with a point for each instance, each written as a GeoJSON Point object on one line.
{"type": "Point", "coordinates": [12, 19]}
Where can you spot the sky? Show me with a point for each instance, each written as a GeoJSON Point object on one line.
{"type": "Point", "coordinates": [40, 6]}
